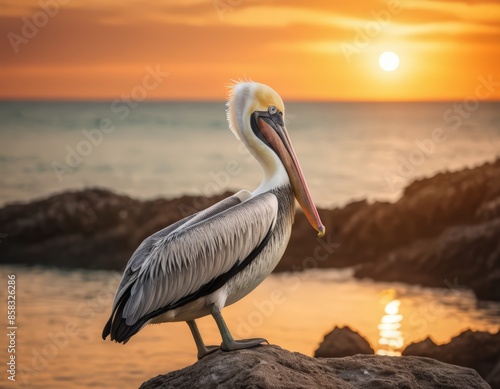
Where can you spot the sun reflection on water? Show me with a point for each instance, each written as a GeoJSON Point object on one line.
{"type": "Point", "coordinates": [390, 336]}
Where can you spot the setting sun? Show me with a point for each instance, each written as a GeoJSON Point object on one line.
{"type": "Point", "coordinates": [388, 61]}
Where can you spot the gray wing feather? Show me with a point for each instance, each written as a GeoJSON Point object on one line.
{"type": "Point", "coordinates": [191, 254]}
{"type": "Point", "coordinates": [142, 252]}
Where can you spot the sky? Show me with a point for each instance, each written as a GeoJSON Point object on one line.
{"type": "Point", "coordinates": [192, 49]}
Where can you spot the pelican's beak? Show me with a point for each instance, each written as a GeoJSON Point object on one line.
{"type": "Point", "coordinates": [273, 132]}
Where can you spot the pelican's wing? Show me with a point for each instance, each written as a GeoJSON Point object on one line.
{"type": "Point", "coordinates": [190, 260]}
{"type": "Point", "coordinates": [142, 252]}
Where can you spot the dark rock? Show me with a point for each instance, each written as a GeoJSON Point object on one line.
{"type": "Point", "coordinates": [426, 209]}
{"type": "Point", "coordinates": [272, 367]}
{"type": "Point", "coordinates": [343, 342]}
{"type": "Point", "coordinates": [305, 250]}
{"type": "Point", "coordinates": [94, 228]}
{"type": "Point", "coordinates": [488, 287]}
{"type": "Point", "coordinates": [468, 255]}
{"type": "Point", "coordinates": [477, 350]}
{"type": "Point", "coordinates": [493, 378]}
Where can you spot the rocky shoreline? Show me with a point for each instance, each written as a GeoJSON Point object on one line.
{"type": "Point", "coordinates": [444, 231]}
{"type": "Point", "coordinates": [473, 349]}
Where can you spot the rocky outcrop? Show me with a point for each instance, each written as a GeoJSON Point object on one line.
{"type": "Point", "coordinates": [94, 228]}
{"type": "Point", "coordinates": [443, 231]}
{"type": "Point", "coordinates": [272, 367]}
{"type": "Point", "coordinates": [343, 342]}
{"type": "Point", "coordinates": [477, 350]}
{"type": "Point", "coordinates": [467, 256]}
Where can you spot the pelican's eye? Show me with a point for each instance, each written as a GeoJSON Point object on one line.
{"type": "Point", "coordinates": [272, 109]}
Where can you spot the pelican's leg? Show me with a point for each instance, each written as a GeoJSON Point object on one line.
{"type": "Point", "coordinates": [202, 349]}
{"type": "Point", "coordinates": [228, 343]}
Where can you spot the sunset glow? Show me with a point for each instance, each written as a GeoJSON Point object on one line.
{"type": "Point", "coordinates": [55, 49]}
{"type": "Point", "coordinates": [388, 61]}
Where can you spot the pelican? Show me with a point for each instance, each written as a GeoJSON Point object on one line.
{"type": "Point", "coordinates": [209, 260]}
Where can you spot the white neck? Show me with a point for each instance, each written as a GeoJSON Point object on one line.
{"type": "Point", "coordinates": [275, 174]}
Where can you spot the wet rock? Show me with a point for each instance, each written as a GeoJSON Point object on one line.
{"type": "Point", "coordinates": [343, 342]}
{"type": "Point", "coordinates": [474, 349]}
{"type": "Point", "coordinates": [272, 367]}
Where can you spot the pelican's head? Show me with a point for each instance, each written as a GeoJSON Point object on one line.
{"type": "Point", "coordinates": [256, 116]}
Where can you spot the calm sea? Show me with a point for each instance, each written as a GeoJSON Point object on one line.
{"type": "Point", "coordinates": [347, 150]}
{"type": "Point", "coordinates": [60, 316]}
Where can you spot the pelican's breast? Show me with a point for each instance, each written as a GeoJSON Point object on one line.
{"type": "Point", "coordinates": [246, 281]}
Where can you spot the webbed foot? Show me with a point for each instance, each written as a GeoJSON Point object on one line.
{"type": "Point", "coordinates": [203, 352]}
{"type": "Point", "coordinates": [241, 344]}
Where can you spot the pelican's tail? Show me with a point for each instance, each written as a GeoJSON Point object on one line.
{"type": "Point", "coordinates": [117, 325]}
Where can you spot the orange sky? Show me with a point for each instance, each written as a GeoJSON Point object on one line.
{"type": "Point", "coordinates": [100, 48]}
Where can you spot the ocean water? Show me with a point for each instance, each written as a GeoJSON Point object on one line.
{"type": "Point", "coordinates": [60, 316]}
{"type": "Point", "coordinates": [347, 150]}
